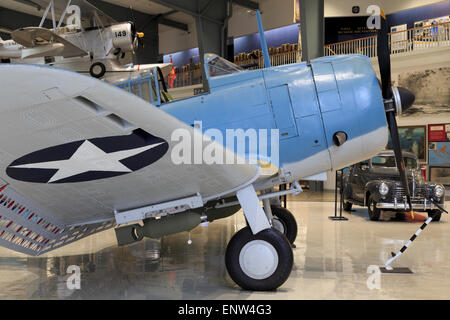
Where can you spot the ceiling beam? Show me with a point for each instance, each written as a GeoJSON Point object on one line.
{"type": "Point", "coordinates": [117, 11]}
{"type": "Point", "coordinates": [186, 7]}
{"type": "Point", "coordinates": [172, 23]}
{"type": "Point", "coordinates": [247, 4]}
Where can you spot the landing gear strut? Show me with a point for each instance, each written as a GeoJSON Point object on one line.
{"type": "Point", "coordinates": [284, 221]}
{"type": "Point", "coordinates": [258, 257]}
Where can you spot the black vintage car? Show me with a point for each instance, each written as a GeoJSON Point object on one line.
{"type": "Point", "coordinates": [375, 183]}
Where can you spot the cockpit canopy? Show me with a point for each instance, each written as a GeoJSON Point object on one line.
{"type": "Point", "coordinates": [218, 66]}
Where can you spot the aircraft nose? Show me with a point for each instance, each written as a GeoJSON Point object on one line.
{"type": "Point", "coordinates": [403, 99]}
{"type": "Point", "coordinates": [352, 108]}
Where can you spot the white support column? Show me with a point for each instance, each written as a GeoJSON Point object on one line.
{"type": "Point", "coordinates": [253, 211]}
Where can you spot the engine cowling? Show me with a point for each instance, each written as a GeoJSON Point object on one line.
{"type": "Point", "coordinates": [123, 37]}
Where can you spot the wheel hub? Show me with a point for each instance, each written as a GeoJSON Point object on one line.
{"type": "Point", "coordinates": [258, 259]}
{"type": "Point", "coordinates": [97, 69]}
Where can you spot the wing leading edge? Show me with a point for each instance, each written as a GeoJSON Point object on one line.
{"type": "Point", "coordinates": [57, 125]}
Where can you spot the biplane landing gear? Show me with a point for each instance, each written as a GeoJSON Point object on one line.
{"type": "Point", "coordinates": [261, 261]}
{"type": "Point", "coordinates": [284, 221]}
{"type": "Point", "coordinates": [97, 70]}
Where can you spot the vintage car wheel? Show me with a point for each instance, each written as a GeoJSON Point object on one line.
{"type": "Point", "coordinates": [374, 212]}
{"type": "Point", "coordinates": [436, 214]}
{"type": "Point", "coordinates": [348, 206]}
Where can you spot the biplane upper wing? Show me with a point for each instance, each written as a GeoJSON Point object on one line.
{"type": "Point", "coordinates": [89, 13]}
{"type": "Point", "coordinates": [41, 42]}
{"type": "Point", "coordinates": [73, 149]}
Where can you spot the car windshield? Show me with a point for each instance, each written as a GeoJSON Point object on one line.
{"type": "Point", "coordinates": [389, 162]}
{"type": "Point", "coordinates": [219, 67]}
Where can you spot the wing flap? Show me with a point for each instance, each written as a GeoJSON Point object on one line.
{"type": "Point", "coordinates": [25, 228]}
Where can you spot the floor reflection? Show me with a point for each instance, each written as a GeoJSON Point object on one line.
{"type": "Point", "coordinates": [331, 262]}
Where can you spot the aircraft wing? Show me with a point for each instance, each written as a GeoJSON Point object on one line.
{"type": "Point", "coordinates": [41, 42]}
{"type": "Point", "coordinates": [88, 11]}
{"type": "Point", "coordinates": [73, 149]}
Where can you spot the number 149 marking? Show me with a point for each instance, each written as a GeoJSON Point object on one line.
{"type": "Point", "coordinates": [121, 34]}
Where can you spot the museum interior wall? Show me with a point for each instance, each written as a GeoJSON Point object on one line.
{"type": "Point", "coordinates": [243, 22]}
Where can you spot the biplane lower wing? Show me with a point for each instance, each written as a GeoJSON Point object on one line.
{"type": "Point", "coordinates": [74, 149]}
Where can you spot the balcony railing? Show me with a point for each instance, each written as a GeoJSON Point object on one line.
{"type": "Point", "coordinates": [433, 36]}
{"type": "Point", "coordinates": [414, 39]}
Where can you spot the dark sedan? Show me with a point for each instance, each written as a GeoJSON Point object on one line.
{"type": "Point", "coordinates": [375, 183]}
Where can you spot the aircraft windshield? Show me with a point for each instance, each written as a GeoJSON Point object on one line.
{"type": "Point", "coordinates": [219, 67]}
{"type": "Point", "coordinates": [386, 161]}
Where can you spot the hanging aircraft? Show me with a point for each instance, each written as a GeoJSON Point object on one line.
{"type": "Point", "coordinates": [79, 156]}
{"type": "Point", "coordinates": [84, 39]}
{"type": "Point", "coordinates": [10, 49]}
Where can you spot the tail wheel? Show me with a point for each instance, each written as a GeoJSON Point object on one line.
{"type": "Point", "coordinates": [436, 214]}
{"type": "Point", "coordinates": [374, 212]}
{"type": "Point", "coordinates": [259, 262]}
{"type": "Point", "coordinates": [284, 221]}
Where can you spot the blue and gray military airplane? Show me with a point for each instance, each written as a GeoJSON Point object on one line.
{"type": "Point", "coordinates": [79, 155]}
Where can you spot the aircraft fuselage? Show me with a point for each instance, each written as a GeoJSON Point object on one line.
{"type": "Point", "coordinates": [307, 102]}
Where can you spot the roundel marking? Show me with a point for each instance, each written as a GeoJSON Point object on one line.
{"type": "Point", "coordinates": [90, 159]}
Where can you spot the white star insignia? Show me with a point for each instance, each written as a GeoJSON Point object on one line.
{"type": "Point", "coordinates": [88, 157]}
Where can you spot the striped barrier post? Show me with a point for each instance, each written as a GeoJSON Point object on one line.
{"type": "Point", "coordinates": [395, 256]}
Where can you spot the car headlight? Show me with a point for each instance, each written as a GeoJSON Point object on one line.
{"type": "Point", "coordinates": [383, 189]}
{"type": "Point", "coordinates": [439, 191]}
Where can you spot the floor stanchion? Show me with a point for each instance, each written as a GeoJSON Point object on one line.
{"type": "Point", "coordinates": [339, 184]}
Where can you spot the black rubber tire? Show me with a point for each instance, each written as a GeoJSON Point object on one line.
{"type": "Point", "coordinates": [287, 219]}
{"type": "Point", "coordinates": [347, 206]}
{"type": "Point", "coordinates": [101, 73]}
{"type": "Point", "coordinates": [285, 259]}
{"type": "Point", "coordinates": [400, 216]}
{"type": "Point", "coordinates": [436, 214]}
{"type": "Point", "coordinates": [374, 213]}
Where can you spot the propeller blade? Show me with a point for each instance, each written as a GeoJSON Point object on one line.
{"type": "Point", "coordinates": [392, 122]}
{"type": "Point", "coordinates": [384, 57]}
{"type": "Point", "coordinates": [405, 99]}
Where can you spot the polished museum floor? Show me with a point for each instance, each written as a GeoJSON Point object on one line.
{"type": "Point", "coordinates": [332, 259]}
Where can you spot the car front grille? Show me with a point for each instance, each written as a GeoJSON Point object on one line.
{"type": "Point", "coordinates": [419, 192]}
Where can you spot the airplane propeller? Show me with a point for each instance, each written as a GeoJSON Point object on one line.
{"type": "Point", "coordinates": [396, 100]}
{"type": "Point", "coordinates": [137, 37]}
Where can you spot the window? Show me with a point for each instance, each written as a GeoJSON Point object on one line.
{"type": "Point", "coordinates": [383, 162]}
{"type": "Point", "coordinates": [386, 161]}
{"type": "Point", "coordinates": [219, 67]}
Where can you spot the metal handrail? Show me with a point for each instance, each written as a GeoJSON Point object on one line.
{"type": "Point", "coordinates": [417, 38]}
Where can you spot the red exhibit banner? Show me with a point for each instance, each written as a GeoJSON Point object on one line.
{"type": "Point", "coordinates": [438, 132]}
